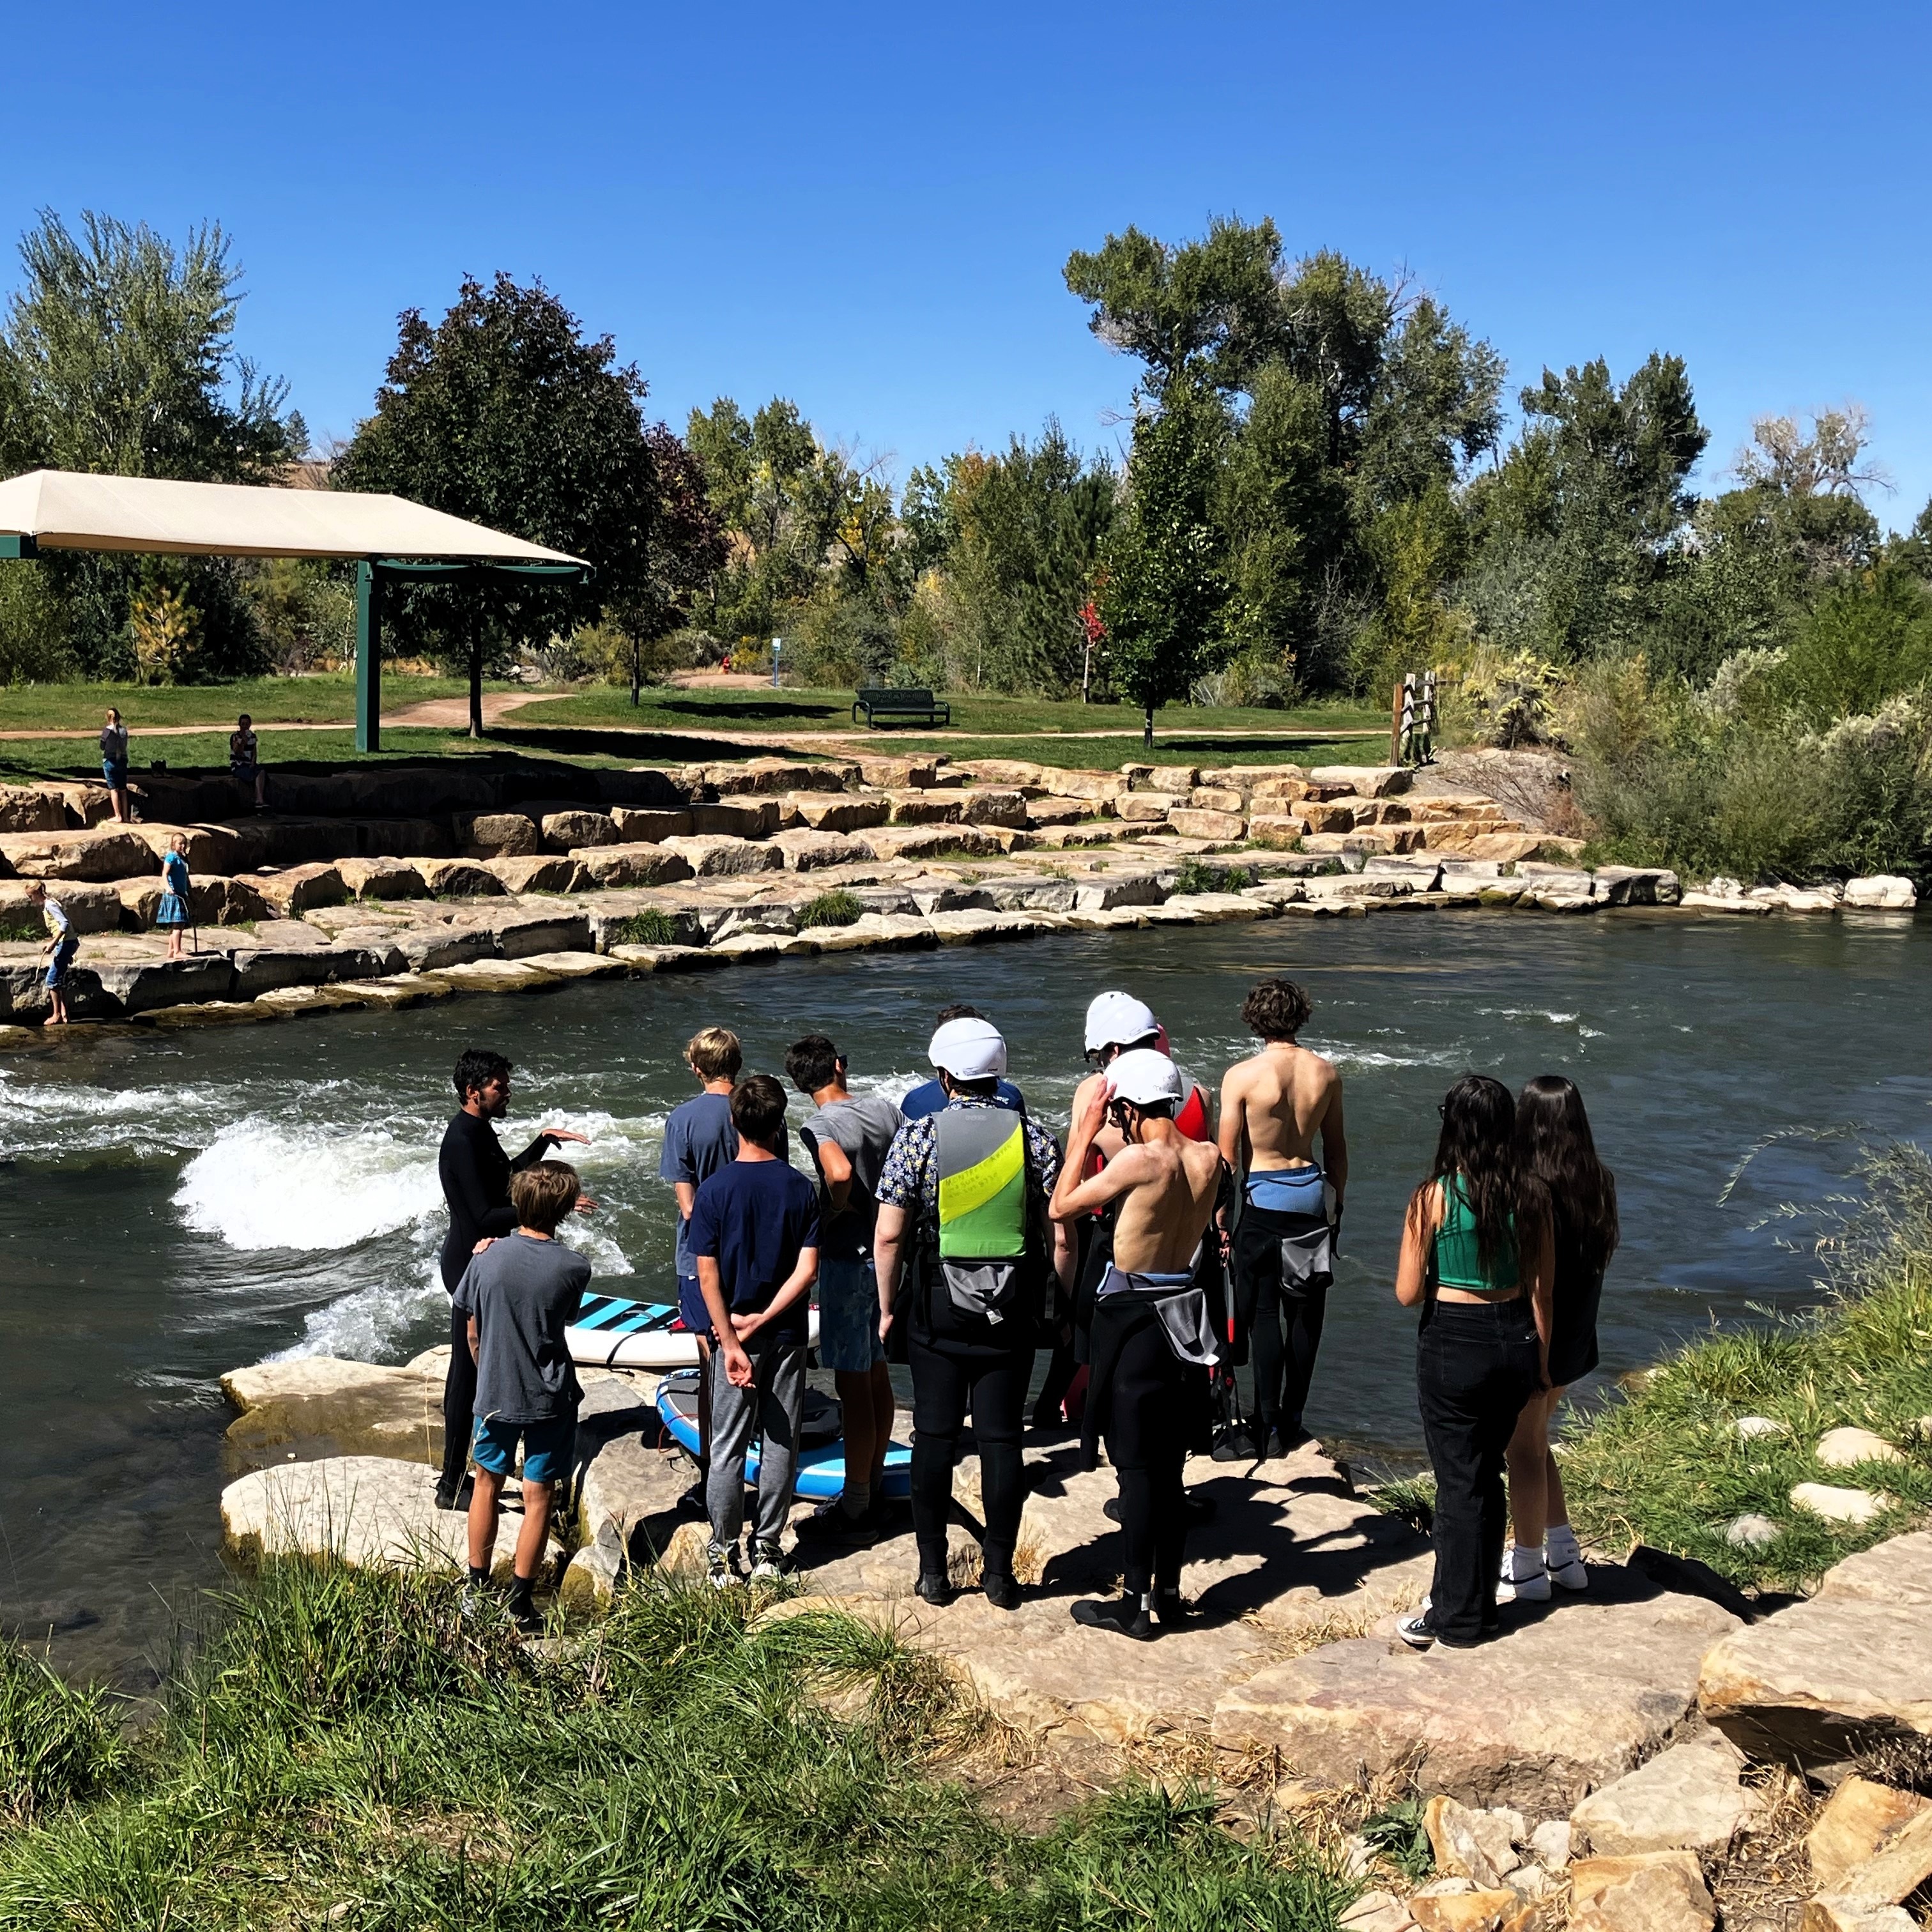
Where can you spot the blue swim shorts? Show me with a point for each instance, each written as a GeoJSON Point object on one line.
{"type": "Point", "coordinates": [547, 1448]}
{"type": "Point", "coordinates": [848, 1316]}
{"type": "Point", "coordinates": [691, 1307]}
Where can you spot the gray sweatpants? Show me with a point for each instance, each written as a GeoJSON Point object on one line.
{"type": "Point", "coordinates": [769, 1408]}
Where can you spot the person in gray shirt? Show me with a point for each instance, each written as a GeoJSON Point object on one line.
{"type": "Point", "coordinates": [519, 1293]}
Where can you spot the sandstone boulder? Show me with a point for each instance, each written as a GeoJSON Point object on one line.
{"type": "Point", "coordinates": [1094, 786]}
{"type": "Point", "coordinates": [1477, 1845]}
{"type": "Point", "coordinates": [1015, 773]}
{"type": "Point", "coordinates": [742, 818]}
{"type": "Point", "coordinates": [110, 852]}
{"type": "Point", "coordinates": [993, 804]}
{"type": "Point", "coordinates": [1051, 811]}
{"type": "Point", "coordinates": [1859, 1820]}
{"type": "Point", "coordinates": [633, 865]}
{"type": "Point", "coordinates": [570, 831]}
{"type": "Point", "coordinates": [1686, 1799]}
{"type": "Point", "coordinates": [927, 841]}
{"type": "Point", "coordinates": [1883, 889]}
{"type": "Point", "coordinates": [1173, 779]}
{"type": "Point", "coordinates": [1365, 780]}
{"type": "Point", "coordinates": [1648, 1892]}
{"type": "Point", "coordinates": [711, 857]}
{"type": "Point", "coordinates": [1820, 1680]}
{"type": "Point", "coordinates": [293, 891]}
{"type": "Point", "coordinates": [1217, 827]}
{"type": "Point", "coordinates": [458, 878]}
{"type": "Point", "coordinates": [31, 809]}
{"type": "Point", "coordinates": [1829, 1913]}
{"type": "Point", "coordinates": [524, 931]}
{"type": "Point", "coordinates": [89, 908]}
{"type": "Point", "coordinates": [380, 879]}
{"type": "Point", "coordinates": [806, 851]}
{"type": "Point", "coordinates": [495, 835]}
{"type": "Point", "coordinates": [1216, 798]}
{"type": "Point", "coordinates": [431, 948]}
{"type": "Point", "coordinates": [315, 1406]}
{"type": "Point", "coordinates": [1143, 808]}
{"type": "Point", "coordinates": [370, 1511]}
{"type": "Point", "coordinates": [1276, 830]}
{"type": "Point", "coordinates": [146, 985]}
{"type": "Point", "coordinates": [1620, 1676]}
{"type": "Point", "coordinates": [540, 872]}
{"type": "Point", "coordinates": [928, 807]}
{"type": "Point", "coordinates": [1328, 815]}
{"type": "Point", "coordinates": [838, 812]}
{"type": "Point", "coordinates": [1636, 885]}
{"type": "Point", "coordinates": [650, 828]}
{"type": "Point", "coordinates": [769, 776]}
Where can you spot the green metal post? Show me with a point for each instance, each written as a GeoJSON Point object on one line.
{"type": "Point", "coordinates": [368, 657]}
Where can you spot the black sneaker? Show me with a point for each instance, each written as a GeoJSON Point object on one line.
{"type": "Point", "coordinates": [457, 1498]}
{"type": "Point", "coordinates": [1125, 1616]}
{"type": "Point", "coordinates": [1002, 1589]}
{"type": "Point", "coordinates": [935, 1587]}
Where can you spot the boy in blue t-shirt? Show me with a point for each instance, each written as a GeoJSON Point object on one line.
{"type": "Point", "coordinates": [699, 1139]}
{"type": "Point", "coordinates": [755, 1239]}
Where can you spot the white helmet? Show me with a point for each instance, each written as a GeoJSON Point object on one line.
{"type": "Point", "coordinates": [1144, 1079]}
{"type": "Point", "coordinates": [1118, 1019]}
{"type": "Point", "coordinates": [968, 1050]}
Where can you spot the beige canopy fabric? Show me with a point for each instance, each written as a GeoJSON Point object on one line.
{"type": "Point", "coordinates": [63, 510]}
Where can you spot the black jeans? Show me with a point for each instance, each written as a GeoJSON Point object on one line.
{"type": "Point", "coordinates": [944, 1387]}
{"type": "Point", "coordinates": [1476, 1364]}
{"type": "Point", "coordinates": [459, 1403]}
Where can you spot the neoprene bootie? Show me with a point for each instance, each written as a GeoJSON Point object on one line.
{"type": "Point", "coordinates": [1126, 1615]}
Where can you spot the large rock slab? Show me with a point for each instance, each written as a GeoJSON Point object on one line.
{"type": "Point", "coordinates": [1686, 1799]}
{"type": "Point", "coordinates": [294, 890]}
{"type": "Point", "coordinates": [317, 1405]}
{"type": "Point", "coordinates": [926, 842]}
{"type": "Point", "coordinates": [1823, 1679]}
{"type": "Point", "coordinates": [540, 872]}
{"type": "Point", "coordinates": [31, 809]}
{"type": "Point", "coordinates": [838, 812]}
{"type": "Point", "coordinates": [739, 818]}
{"type": "Point", "coordinates": [1646, 1892]}
{"type": "Point", "coordinates": [1859, 1820]}
{"type": "Point", "coordinates": [637, 864]}
{"type": "Point", "coordinates": [369, 1511]}
{"type": "Point", "coordinates": [495, 835]}
{"type": "Point", "coordinates": [645, 827]}
{"type": "Point", "coordinates": [569, 831]}
{"type": "Point", "coordinates": [89, 908]}
{"type": "Point", "coordinates": [458, 878]}
{"type": "Point", "coordinates": [712, 857]}
{"type": "Point", "coordinates": [106, 854]}
{"type": "Point", "coordinates": [382, 878]}
{"type": "Point", "coordinates": [808, 851]}
{"type": "Point", "coordinates": [146, 986]}
{"type": "Point", "coordinates": [1613, 1676]}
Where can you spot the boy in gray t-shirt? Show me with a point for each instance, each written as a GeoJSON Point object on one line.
{"type": "Point", "coordinates": [520, 1292]}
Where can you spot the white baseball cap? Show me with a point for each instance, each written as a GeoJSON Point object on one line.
{"type": "Point", "coordinates": [1118, 1019]}
{"type": "Point", "coordinates": [968, 1050]}
{"type": "Point", "coordinates": [1143, 1077]}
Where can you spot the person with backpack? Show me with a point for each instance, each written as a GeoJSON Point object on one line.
{"type": "Point", "coordinates": [966, 1256]}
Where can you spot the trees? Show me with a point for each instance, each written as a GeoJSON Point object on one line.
{"type": "Point", "coordinates": [504, 414]}
{"type": "Point", "coordinates": [1163, 593]}
{"type": "Point", "coordinates": [117, 355]}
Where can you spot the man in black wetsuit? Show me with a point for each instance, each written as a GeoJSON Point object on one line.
{"type": "Point", "coordinates": [475, 1175]}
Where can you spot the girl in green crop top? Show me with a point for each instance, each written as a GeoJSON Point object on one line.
{"type": "Point", "coordinates": [1455, 1252]}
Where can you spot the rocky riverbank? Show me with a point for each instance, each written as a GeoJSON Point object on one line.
{"type": "Point", "coordinates": [470, 883]}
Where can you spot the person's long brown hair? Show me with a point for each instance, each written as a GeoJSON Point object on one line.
{"type": "Point", "coordinates": [1554, 1142]}
{"type": "Point", "coordinates": [1477, 1147]}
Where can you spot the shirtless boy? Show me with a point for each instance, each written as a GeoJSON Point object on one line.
{"type": "Point", "coordinates": [1154, 1329]}
{"type": "Point", "coordinates": [1273, 1107]}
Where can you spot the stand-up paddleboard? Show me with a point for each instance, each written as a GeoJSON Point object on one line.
{"type": "Point", "coordinates": [820, 1469]}
{"type": "Point", "coordinates": [612, 1332]}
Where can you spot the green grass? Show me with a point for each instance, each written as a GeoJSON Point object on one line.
{"type": "Point", "coordinates": [345, 1751]}
{"type": "Point", "coordinates": [322, 700]}
{"type": "Point", "coordinates": [1662, 1463]}
{"type": "Point", "coordinates": [837, 908]}
{"type": "Point", "coordinates": [1197, 875]}
{"type": "Point", "coordinates": [648, 928]}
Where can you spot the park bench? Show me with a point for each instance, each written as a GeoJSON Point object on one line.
{"type": "Point", "coordinates": [920, 704]}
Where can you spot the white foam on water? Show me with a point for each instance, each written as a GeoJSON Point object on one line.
{"type": "Point", "coordinates": [259, 1185]}
{"type": "Point", "coordinates": [46, 1122]}
{"type": "Point", "coordinates": [1529, 1013]}
{"type": "Point", "coordinates": [373, 1324]}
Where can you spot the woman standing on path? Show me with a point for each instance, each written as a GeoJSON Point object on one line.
{"type": "Point", "coordinates": [114, 763]}
{"type": "Point", "coordinates": [1476, 1256]}
{"type": "Point", "coordinates": [1554, 1144]}
{"type": "Point", "coordinates": [171, 915]}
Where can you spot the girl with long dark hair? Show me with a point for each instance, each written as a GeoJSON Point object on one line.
{"type": "Point", "coordinates": [1476, 1256]}
{"type": "Point", "coordinates": [1554, 1144]}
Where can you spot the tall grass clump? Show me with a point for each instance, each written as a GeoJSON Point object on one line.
{"type": "Point", "coordinates": [836, 907]}
{"type": "Point", "coordinates": [347, 1749]}
{"type": "Point", "coordinates": [651, 927]}
{"type": "Point", "coordinates": [58, 1742]}
{"type": "Point", "coordinates": [1665, 1464]}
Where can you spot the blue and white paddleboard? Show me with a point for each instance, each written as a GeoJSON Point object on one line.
{"type": "Point", "coordinates": [614, 1332]}
{"type": "Point", "coordinates": [821, 1468]}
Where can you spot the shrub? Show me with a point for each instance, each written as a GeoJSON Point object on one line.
{"type": "Point", "coordinates": [1196, 876]}
{"type": "Point", "coordinates": [838, 908]}
{"type": "Point", "coordinates": [650, 927]}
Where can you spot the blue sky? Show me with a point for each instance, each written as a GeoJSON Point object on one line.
{"type": "Point", "coordinates": [867, 211]}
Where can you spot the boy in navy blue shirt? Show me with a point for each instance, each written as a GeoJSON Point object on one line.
{"type": "Point", "coordinates": [755, 1239]}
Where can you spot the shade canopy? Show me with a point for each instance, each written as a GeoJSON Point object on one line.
{"type": "Point", "coordinates": [62, 509]}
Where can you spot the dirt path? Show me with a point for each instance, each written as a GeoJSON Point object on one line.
{"type": "Point", "coordinates": [453, 712]}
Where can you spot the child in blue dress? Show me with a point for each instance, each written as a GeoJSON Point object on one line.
{"type": "Point", "coordinates": [171, 915]}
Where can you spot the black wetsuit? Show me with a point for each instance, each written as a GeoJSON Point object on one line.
{"type": "Point", "coordinates": [475, 1174]}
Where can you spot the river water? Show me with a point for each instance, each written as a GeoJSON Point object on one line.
{"type": "Point", "coordinates": [176, 1205]}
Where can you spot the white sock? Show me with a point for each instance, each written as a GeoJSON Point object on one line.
{"type": "Point", "coordinates": [856, 1498]}
{"type": "Point", "coordinates": [1560, 1547]}
{"type": "Point", "coordinates": [1521, 1562]}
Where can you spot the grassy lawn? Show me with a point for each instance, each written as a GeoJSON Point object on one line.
{"type": "Point", "coordinates": [974, 714]}
{"type": "Point", "coordinates": [278, 701]}
{"type": "Point", "coordinates": [347, 1749]}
